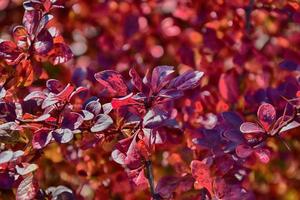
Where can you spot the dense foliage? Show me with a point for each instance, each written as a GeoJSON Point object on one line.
{"type": "Point", "coordinates": [171, 99]}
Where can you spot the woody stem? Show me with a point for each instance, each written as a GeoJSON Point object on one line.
{"type": "Point", "coordinates": [149, 172]}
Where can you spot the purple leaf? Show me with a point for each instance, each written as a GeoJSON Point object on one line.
{"type": "Point", "coordinates": [32, 5]}
{"type": "Point", "coordinates": [43, 22]}
{"type": "Point", "coordinates": [41, 138]}
{"type": "Point", "coordinates": [49, 101]}
{"type": "Point", "coordinates": [154, 118]}
{"type": "Point", "coordinates": [87, 115]}
{"type": "Point", "coordinates": [54, 86]}
{"type": "Point", "coordinates": [31, 19]}
{"type": "Point", "coordinates": [170, 94]}
{"type": "Point", "coordinates": [94, 107]}
{"type": "Point", "coordinates": [243, 151]}
{"type": "Point", "coordinates": [266, 114]}
{"type": "Point", "coordinates": [63, 135]}
{"type": "Point", "coordinates": [166, 186]}
{"type": "Point", "coordinates": [102, 123]}
{"type": "Point", "coordinates": [112, 82]}
{"type": "Point", "coordinates": [234, 135]}
{"type": "Point", "coordinates": [126, 153]}
{"type": "Point", "coordinates": [187, 80]}
{"type": "Point", "coordinates": [71, 121]}
{"type": "Point", "coordinates": [2, 92]}
{"type": "Point", "coordinates": [152, 137]}
{"type": "Point", "coordinates": [232, 118]}
{"type": "Point", "coordinates": [249, 127]}
{"type": "Point", "coordinates": [43, 43]}
{"type": "Point", "coordinates": [35, 95]}
{"type": "Point", "coordinates": [42, 118]}
{"type": "Point", "coordinates": [161, 76]}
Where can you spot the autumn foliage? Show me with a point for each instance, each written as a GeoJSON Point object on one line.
{"type": "Point", "coordinates": [171, 99]}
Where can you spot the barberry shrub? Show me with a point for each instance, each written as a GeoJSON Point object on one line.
{"type": "Point", "coordinates": [90, 107]}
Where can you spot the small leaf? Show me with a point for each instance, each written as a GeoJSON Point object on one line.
{"type": "Point", "coordinates": [136, 79]}
{"type": "Point", "coordinates": [54, 86]}
{"type": "Point", "coordinates": [63, 135]}
{"type": "Point", "coordinates": [21, 37]}
{"type": "Point", "coordinates": [35, 95]}
{"type": "Point", "coordinates": [28, 168]}
{"type": "Point", "coordinates": [6, 156]}
{"type": "Point", "coordinates": [266, 114]}
{"type": "Point", "coordinates": [161, 76]}
{"type": "Point", "coordinates": [43, 43]}
{"type": "Point", "coordinates": [201, 173]}
{"type": "Point", "coordinates": [27, 189]}
{"type": "Point", "coordinates": [102, 123]}
{"type": "Point", "coordinates": [60, 53]}
{"type": "Point", "coordinates": [187, 80]}
{"type": "Point", "coordinates": [249, 127]}
{"type": "Point", "coordinates": [112, 82]}
{"type": "Point", "coordinates": [292, 125]}
{"type": "Point", "coordinates": [154, 118]}
{"type": "Point", "coordinates": [41, 138]}
{"type": "Point", "coordinates": [71, 121]}
{"type": "Point", "coordinates": [93, 107]}
{"type": "Point", "coordinates": [66, 92]}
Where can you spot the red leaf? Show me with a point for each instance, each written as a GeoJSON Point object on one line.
{"type": "Point", "coordinates": [67, 91]}
{"type": "Point", "coordinates": [9, 52]}
{"type": "Point", "coordinates": [136, 79]}
{"type": "Point", "coordinates": [201, 172]}
{"type": "Point", "coordinates": [228, 87]}
{"type": "Point", "coordinates": [126, 153]}
{"type": "Point", "coordinates": [124, 101]}
{"type": "Point", "coordinates": [138, 177]}
{"type": "Point", "coordinates": [60, 53]}
{"type": "Point", "coordinates": [21, 37]}
{"type": "Point", "coordinates": [41, 138]}
{"type": "Point", "coordinates": [112, 82]}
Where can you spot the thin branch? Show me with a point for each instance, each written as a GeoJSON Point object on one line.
{"type": "Point", "coordinates": [248, 11]}
{"type": "Point", "coordinates": [150, 177]}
